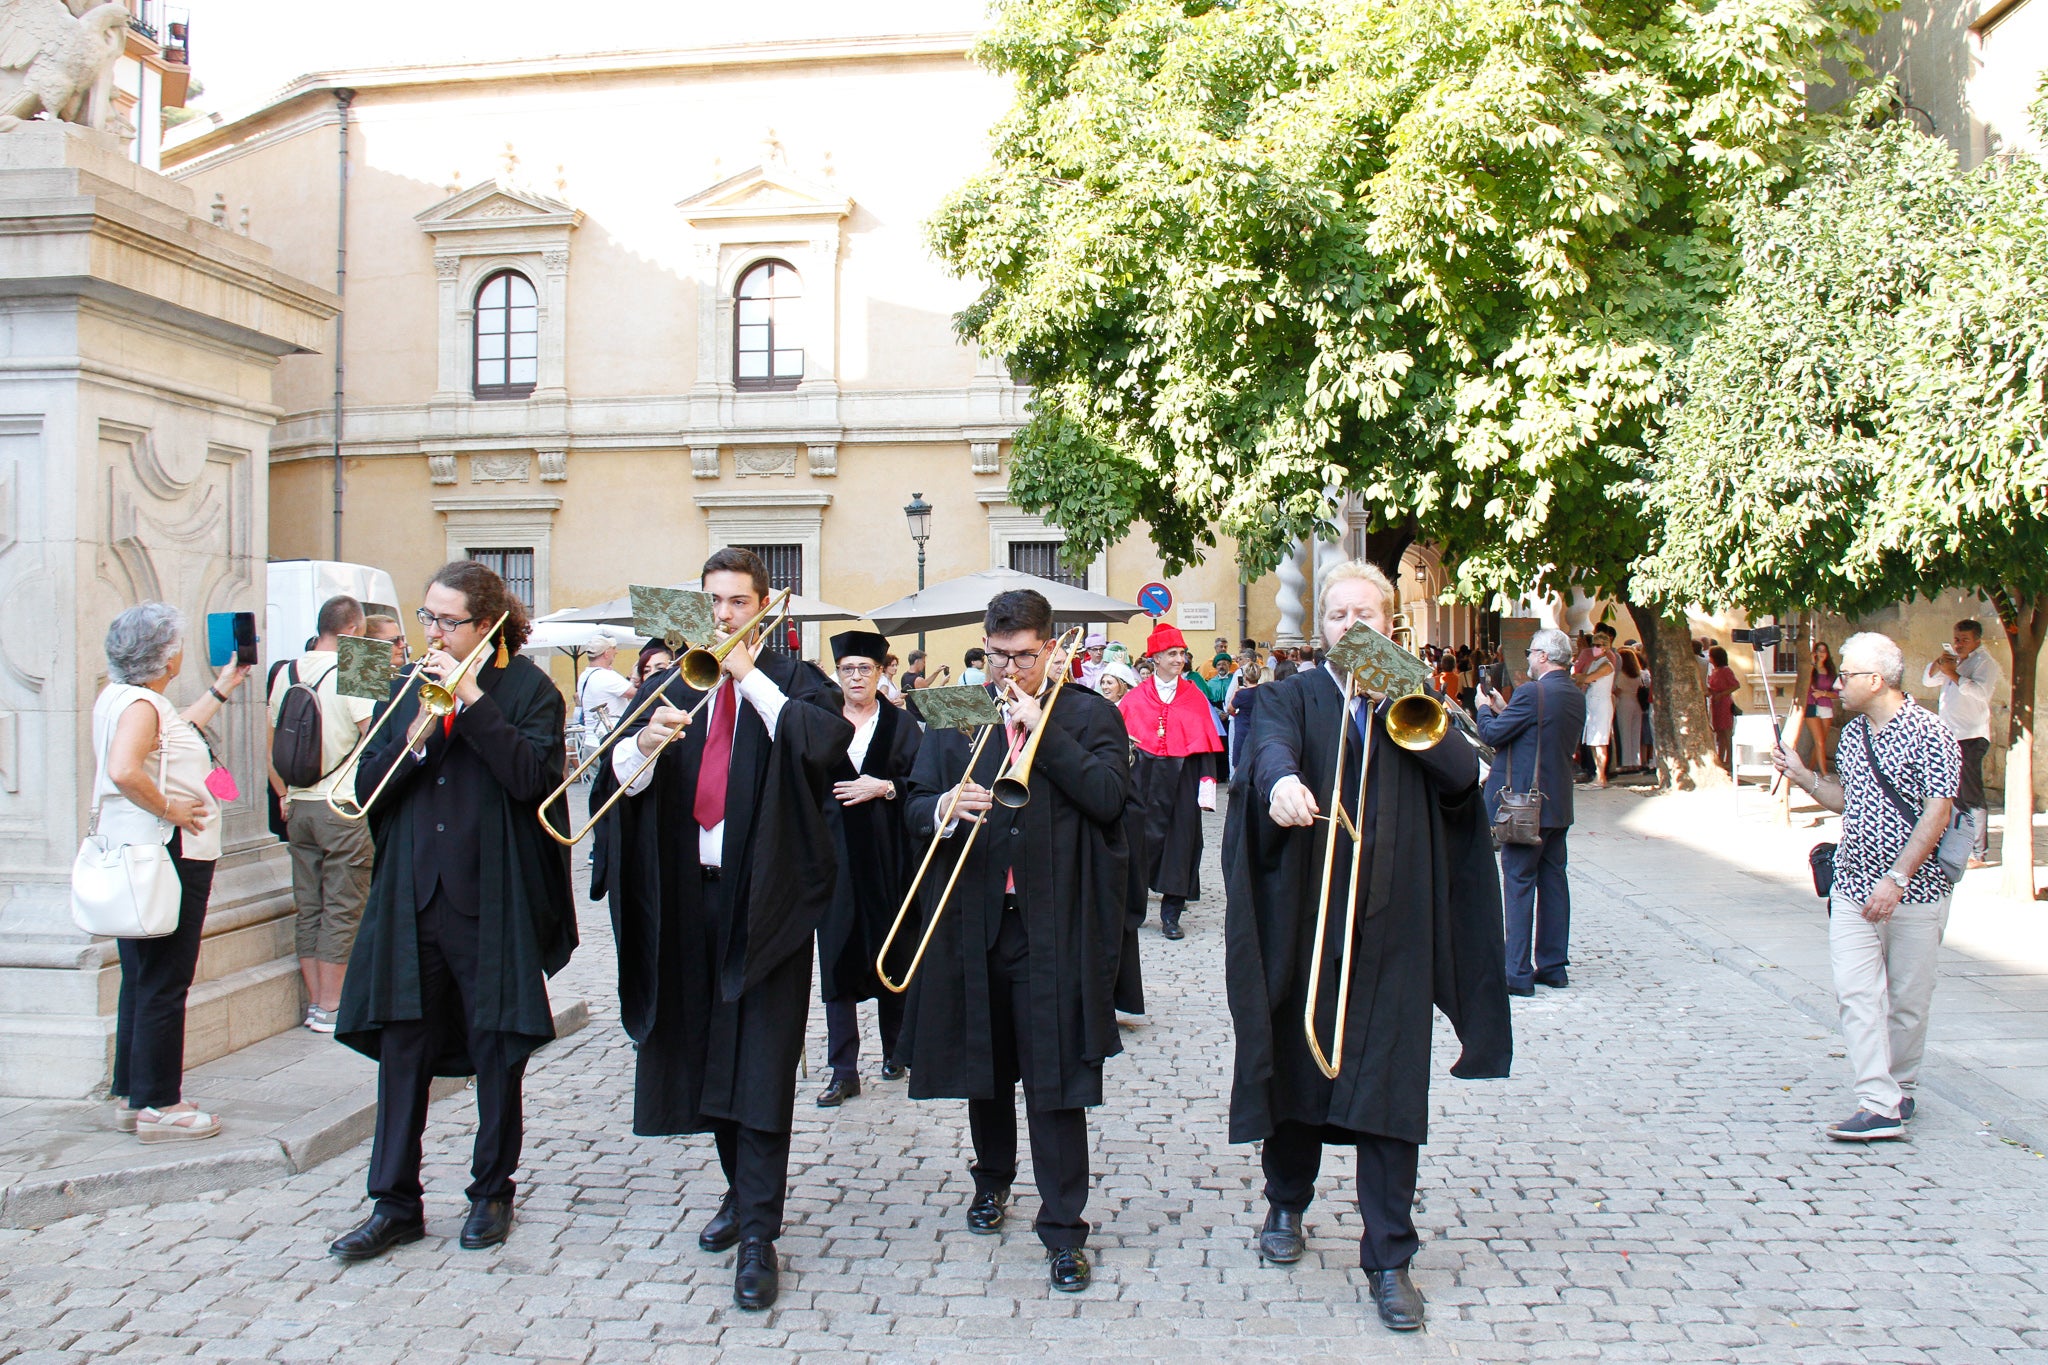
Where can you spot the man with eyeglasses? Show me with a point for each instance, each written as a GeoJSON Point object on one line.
{"type": "Point", "coordinates": [469, 908]}
{"type": "Point", "coordinates": [875, 863]}
{"type": "Point", "coordinates": [1018, 983]}
{"type": "Point", "coordinates": [1897, 771]}
{"type": "Point", "coordinates": [1533, 735]}
{"type": "Point", "coordinates": [719, 864]}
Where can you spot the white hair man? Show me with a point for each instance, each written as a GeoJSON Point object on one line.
{"type": "Point", "coordinates": [1533, 735]}
{"type": "Point", "coordinates": [1898, 769]}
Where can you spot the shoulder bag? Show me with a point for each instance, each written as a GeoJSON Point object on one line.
{"type": "Point", "coordinates": [126, 890]}
{"type": "Point", "coordinates": [1518, 816]}
{"type": "Point", "coordinates": [1957, 841]}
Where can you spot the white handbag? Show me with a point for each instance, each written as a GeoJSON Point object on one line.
{"type": "Point", "coordinates": [126, 890]}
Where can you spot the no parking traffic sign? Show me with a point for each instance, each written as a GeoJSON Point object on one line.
{"type": "Point", "coordinates": [1155, 599]}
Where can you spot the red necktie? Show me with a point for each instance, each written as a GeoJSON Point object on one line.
{"type": "Point", "coordinates": [717, 760]}
{"type": "Point", "coordinates": [1016, 738]}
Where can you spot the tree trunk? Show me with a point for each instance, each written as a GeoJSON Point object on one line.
{"type": "Point", "coordinates": [1684, 730]}
{"type": "Point", "coordinates": [1386, 545]}
{"type": "Point", "coordinates": [2017, 880]}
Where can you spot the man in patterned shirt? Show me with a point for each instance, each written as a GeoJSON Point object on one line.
{"type": "Point", "coordinates": [1898, 769]}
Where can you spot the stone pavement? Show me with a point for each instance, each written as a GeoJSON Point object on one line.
{"type": "Point", "coordinates": [1734, 883]}
{"type": "Point", "coordinates": [1651, 1185]}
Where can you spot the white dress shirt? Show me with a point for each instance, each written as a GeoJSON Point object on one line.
{"type": "Point", "coordinates": [628, 762]}
{"type": "Point", "coordinates": [1966, 702]}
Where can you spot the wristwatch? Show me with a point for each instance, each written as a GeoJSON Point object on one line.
{"type": "Point", "coordinates": [890, 795]}
{"type": "Point", "coordinates": [1899, 879]}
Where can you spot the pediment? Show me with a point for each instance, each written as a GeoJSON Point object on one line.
{"type": "Point", "coordinates": [764, 193]}
{"type": "Point", "coordinates": [492, 205]}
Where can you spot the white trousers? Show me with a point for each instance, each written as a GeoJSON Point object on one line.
{"type": "Point", "coordinates": [1884, 983]}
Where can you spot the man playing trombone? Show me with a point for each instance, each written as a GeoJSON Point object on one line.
{"type": "Point", "coordinates": [1019, 978]}
{"type": "Point", "coordinates": [1424, 928]}
{"type": "Point", "coordinates": [469, 906]}
{"type": "Point", "coordinates": [721, 865]}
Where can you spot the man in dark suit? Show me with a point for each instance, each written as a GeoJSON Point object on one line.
{"type": "Point", "coordinates": [1533, 735]}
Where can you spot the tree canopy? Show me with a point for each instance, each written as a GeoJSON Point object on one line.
{"type": "Point", "coordinates": [1440, 255]}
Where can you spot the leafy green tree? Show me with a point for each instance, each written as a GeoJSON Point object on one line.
{"type": "Point", "coordinates": [1440, 256]}
{"type": "Point", "coordinates": [1867, 422]}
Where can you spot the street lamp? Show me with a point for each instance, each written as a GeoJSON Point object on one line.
{"type": "Point", "coordinates": [918, 513]}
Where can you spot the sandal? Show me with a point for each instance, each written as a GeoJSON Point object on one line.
{"type": "Point", "coordinates": [175, 1125]}
{"type": "Point", "coordinates": [124, 1117]}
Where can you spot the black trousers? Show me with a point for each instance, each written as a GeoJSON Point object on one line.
{"type": "Point", "coordinates": [1537, 896]}
{"type": "Point", "coordinates": [1293, 1155]}
{"type": "Point", "coordinates": [756, 1166]}
{"type": "Point", "coordinates": [156, 976]}
{"type": "Point", "coordinates": [842, 1032]}
{"type": "Point", "coordinates": [405, 1073]}
{"type": "Point", "coordinates": [1059, 1137]}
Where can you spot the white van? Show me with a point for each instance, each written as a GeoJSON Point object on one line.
{"type": "Point", "coordinates": [297, 589]}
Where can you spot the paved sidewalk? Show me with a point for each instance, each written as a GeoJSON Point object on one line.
{"type": "Point", "coordinates": [1651, 1185]}
{"type": "Point", "coordinates": [1734, 883]}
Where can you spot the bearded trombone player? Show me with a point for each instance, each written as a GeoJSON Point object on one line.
{"type": "Point", "coordinates": [1425, 929]}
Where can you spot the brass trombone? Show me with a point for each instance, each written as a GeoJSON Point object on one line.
{"type": "Point", "coordinates": [700, 669]}
{"type": "Point", "coordinates": [1415, 722]}
{"type": "Point", "coordinates": [1011, 788]}
{"type": "Point", "coordinates": [436, 701]}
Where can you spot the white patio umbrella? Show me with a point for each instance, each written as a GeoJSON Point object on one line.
{"type": "Point", "coordinates": [963, 601]}
{"type": "Point", "coordinates": [619, 611]}
{"type": "Point", "coordinates": [576, 637]}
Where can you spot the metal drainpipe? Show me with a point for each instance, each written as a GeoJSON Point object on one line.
{"type": "Point", "coordinates": [342, 100]}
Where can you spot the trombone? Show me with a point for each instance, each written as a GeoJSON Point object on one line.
{"type": "Point", "coordinates": [1011, 788]}
{"type": "Point", "coordinates": [700, 669]}
{"type": "Point", "coordinates": [436, 700]}
{"type": "Point", "coordinates": [1415, 722]}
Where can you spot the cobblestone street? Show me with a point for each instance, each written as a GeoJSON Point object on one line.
{"type": "Point", "coordinates": [1651, 1185]}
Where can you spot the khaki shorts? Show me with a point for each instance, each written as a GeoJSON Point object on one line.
{"type": "Point", "coordinates": [331, 861]}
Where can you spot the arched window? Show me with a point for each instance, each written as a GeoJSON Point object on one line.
{"type": "Point", "coordinates": [507, 351]}
{"type": "Point", "coordinates": [766, 353]}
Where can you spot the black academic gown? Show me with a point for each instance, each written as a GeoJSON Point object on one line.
{"type": "Point", "coordinates": [876, 858]}
{"type": "Point", "coordinates": [715, 977]}
{"type": "Point", "coordinates": [1429, 929]}
{"type": "Point", "coordinates": [1068, 851]}
{"type": "Point", "coordinates": [511, 744]}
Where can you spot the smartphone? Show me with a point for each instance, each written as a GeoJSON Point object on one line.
{"type": "Point", "coordinates": [231, 635]}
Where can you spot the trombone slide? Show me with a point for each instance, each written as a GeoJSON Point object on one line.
{"type": "Point", "coordinates": [1331, 1062]}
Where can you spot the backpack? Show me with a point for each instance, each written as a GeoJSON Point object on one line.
{"type": "Point", "coordinates": [298, 738]}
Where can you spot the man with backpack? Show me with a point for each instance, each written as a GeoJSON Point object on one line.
{"type": "Point", "coordinates": [314, 728]}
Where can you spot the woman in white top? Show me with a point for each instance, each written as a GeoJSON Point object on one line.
{"type": "Point", "coordinates": [1597, 678]}
{"type": "Point", "coordinates": [150, 786]}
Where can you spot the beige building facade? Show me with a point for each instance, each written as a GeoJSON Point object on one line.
{"type": "Point", "coordinates": [606, 314]}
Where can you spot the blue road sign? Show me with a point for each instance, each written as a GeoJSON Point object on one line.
{"type": "Point", "coordinates": [1155, 599]}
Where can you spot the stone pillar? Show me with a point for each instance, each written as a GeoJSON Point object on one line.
{"type": "Point", "coordinates": [135, 414]}
{"type": "Point", "coordinates": [1288, 598]}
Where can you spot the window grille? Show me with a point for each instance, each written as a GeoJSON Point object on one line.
{"type": "Point", "coordinates": [515, 566]}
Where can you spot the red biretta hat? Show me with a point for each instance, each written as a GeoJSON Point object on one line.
{"type": "Point", "coordinates": [1164, 637]}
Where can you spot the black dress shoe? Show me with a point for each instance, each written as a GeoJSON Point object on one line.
{"type": "Point", "coordinates": [759, 1278]}
{"type": "Point", "coordinates": [1397, 1298]}
{"type": "Point", "coordinates": [1280, 1241]}
{"type": "Point", "coordinates": [1171, 929]}
{"type": "Point", "coordinates": [985, 1214]}
{"type": "Point", "coordinates": [892, 1070]}
{"type": "Point", "coordinates": [1521, 990]}
{"type": "Point", "coordinates": [1556, 980]}
{"type": "Point", "coordinates": [1068, 1269]}
{"type": "Point", "coordinates": [838, 1092]}
{"type": "Point", "coordinates": [724, 1228]}
{"type": "Point", "coordinates": [489, 1223]}
{"type": "Point", "coordinates": [377, 1235]}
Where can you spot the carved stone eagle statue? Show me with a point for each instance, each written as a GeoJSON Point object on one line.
{"type": "Point", "coordinates": [55, 62]}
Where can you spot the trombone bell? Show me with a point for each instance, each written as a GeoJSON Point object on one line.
{"type": "Point", "coordinates": [700, 668]}
{"type": "Point", "coordinates": [1417, 721]}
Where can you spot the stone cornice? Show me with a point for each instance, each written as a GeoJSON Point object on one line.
{"type": "Point", "coordinates": [641, 422]}
{"type": "Point", "coordinates": [318, 87]}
